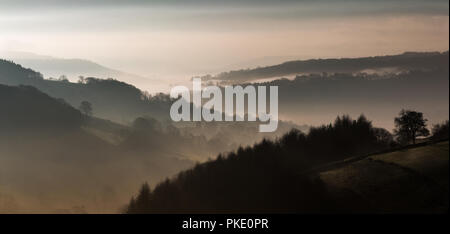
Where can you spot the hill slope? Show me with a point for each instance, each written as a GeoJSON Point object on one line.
{"type": "Point", "coordinates": [111, 99]}
{"type": "Point", "coordinates": [271, 178]}
{"type": "Point", "coordinates": [266, 177]}
{"type": "Point", "coordinates": [123, 103]}
{"type": "Point", "coordinates": [318, 98]}
{"type": "Point", "coordinates": [402, 62]}
{"type": "Point", "coordinates": [73, 68]}
{"type": "Point", "coordinates": [413, 180]}
{"type": "Point", "coordinates": [25, 107]}
{"type": "Point", "coordinates": [54, 160]}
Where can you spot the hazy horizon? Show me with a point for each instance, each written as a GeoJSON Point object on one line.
{"type": "Point", "coordinates": [177, 40]}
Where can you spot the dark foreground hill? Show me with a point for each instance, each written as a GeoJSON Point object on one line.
{"type": "Point", "coordinates": [406, 181]}
{"type": "Point", "coordinates": [273, 177]}
{"type": "Point", "coordinates": [266, 177]}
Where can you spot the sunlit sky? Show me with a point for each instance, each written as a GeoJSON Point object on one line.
{"type": "Point", "coordinates": [178, 39]}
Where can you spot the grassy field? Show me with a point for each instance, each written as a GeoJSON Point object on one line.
{"type": "Point", "coordinates": [414, 180]}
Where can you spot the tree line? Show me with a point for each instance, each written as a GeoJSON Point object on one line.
{"type": "Point", "coordinates": [267, 176]}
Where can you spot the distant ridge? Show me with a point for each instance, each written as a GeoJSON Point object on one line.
{"type": "Point", "coordinates": [72, 68]}
{"type": "Point", "coordinates": [111, 99]}
{"type": "Point", "coordinates": [405, 61]}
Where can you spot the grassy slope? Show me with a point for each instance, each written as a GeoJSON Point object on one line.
{"type": "Point", "coordinates": [415, 180]}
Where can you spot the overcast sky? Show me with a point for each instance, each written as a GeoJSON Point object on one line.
{"type": "Point", "coordinates": [176, 39]}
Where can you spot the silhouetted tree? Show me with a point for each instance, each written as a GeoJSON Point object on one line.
{"type": "Point", "coordinates": [81, 80]}
{"type": "Point", "coordinates": [383, 135]}
{"type": "Point", "coordinates": [410, 125]}
{"type": "Point", "coordinates": [142, 201]}
{"type": "Point", "coordinates": [131, 208]}
{"type": "Point", "coordinates": [86, 108]}
{"type": "Point", "coordinates": [63, 78]}
{"type": "Point", "coordinates": [440, 131]}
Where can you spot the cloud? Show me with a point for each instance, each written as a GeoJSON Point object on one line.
{"type": "Point", "coordinates": [325, 6]}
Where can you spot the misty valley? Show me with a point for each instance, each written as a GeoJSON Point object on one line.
{"type": "Point", "coordinates": [234, 95]}
{"type": "Point", "coordinates": [343, 142]}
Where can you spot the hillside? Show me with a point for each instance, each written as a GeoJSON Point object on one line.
{"type": "Point", "coordinates": [266, 177]}
{"type": "Point", "coordinates": [313, 92]}
{"type": "Point", "coordinates": [407, 181]}
{"type": "Point", "coordinates": [402, 62]}
{"type": "Point", "coordinates": [26, 108]}
{"type": "Point", "coordinates": [306, 100]}
{"type": "Point", "coordinates": [123, 103]}
{"type": "Point", "coordinates": [275, 177]}
{"type": "Point", "coordinates": [111, 99]}
{"type": "Point", "coordinates": [73, 68]}
{"type": "Point", "coordinates": [54, 159]}
{"type": "Point", "coordinates": [317, 98]}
